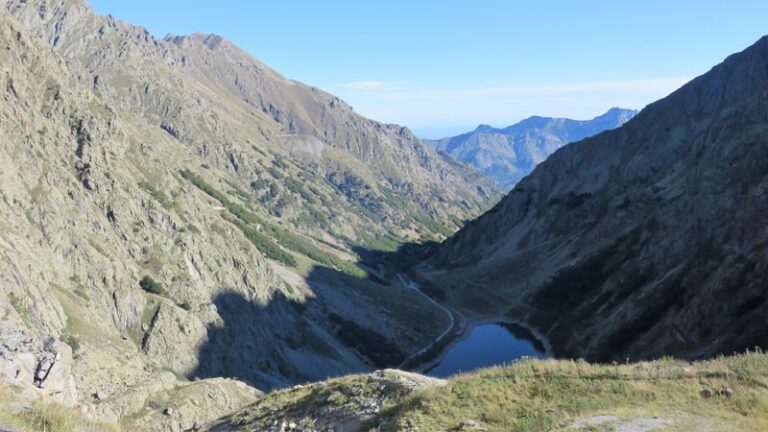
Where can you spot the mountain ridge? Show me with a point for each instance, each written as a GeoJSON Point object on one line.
{"type": "Point", "coordinates": [507, 154]}
{"type": "Point", "coordinates": [631, 236]}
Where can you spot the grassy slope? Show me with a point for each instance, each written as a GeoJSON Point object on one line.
{"type": "Point", "coordinates": [543, 395]}
{"type": "Point", "coordinates": [531, 395]}
{"type": "Point", "coordinates": [43, 416]}
{"type": "Point", "coordinates": [553, 394]}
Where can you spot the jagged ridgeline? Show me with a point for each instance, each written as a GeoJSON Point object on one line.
{"type": "Point", "coordinates": [173, 209]}
{"type": "Point", "coordinates": [643, 241]}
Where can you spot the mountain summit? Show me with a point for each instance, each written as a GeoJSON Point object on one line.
{"type": "Point", "coordinates": [509, 154]}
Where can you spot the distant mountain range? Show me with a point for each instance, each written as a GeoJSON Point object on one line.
{"type": "Point", "coordinates": [509, 154]}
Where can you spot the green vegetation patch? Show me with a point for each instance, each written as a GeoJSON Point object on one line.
{"type": "Point", "coordinates": [265, 245]}
{"type": "Point", "coordinates": [79, 287]}
{"type": "Point", "coordinates": [158, 195]}
{"type": "Point", "coordinates": [73, 341]}
{"type": "Point", "coordinates": [266, 236]}
{"type": "Point", "coordinates": [303, 246]}
{"type": "Point", "coordinates": [727, 393]}
{"type": "Point", "coordinates": [44, 416]}
{"type": "Point", "coordinates": [18, 305]}
{"type": "Point", "coordinates": [236, 209]}
{"type": "Point", "coordinates": [152, 286]}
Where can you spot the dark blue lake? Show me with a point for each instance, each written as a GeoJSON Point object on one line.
{"type": "Point", "coordinates": [488, 345]}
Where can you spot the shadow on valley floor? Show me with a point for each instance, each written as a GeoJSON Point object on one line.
{"type": "Point", "coordinates": [387, 263]}
{"type": "Point", "coordinates": [285, 341]}
{"type": "Point", "coordinates": [246, 343]}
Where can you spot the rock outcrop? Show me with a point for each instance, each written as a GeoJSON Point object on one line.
{"type": "Point", "coordinates": [41, 366]}
{"type": "Point", "coordinates": [345, 405]}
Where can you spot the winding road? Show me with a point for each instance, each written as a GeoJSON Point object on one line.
{"type": "Point", "coordinates": [414, 286]}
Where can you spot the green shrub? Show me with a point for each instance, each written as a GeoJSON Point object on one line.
{"type": "Point", "coordinates": [193, 229]}
{"type": "Point", "coordinates": [259, 184]}
{"type": "Point", "coordinates": [79, 289]}
{"type": "Point", "coordinates": [304, 247]}
{"type": "Point", "coordinates": [202, 185]}
{"type": "Point", "coordinates": [151, 286]}
{"type": "Point", "coordinates": [73, 342]}
{"type": "Point", "coordinates": [237, 190]}
{"type": "Point", "coordinates": [266, 243]}
{"type": "Point", "coordinates": [279, 162]}
{"type": "Point", "coordinates": [277, 175]}
{"type": "Point", "coordinates": [297, 187]}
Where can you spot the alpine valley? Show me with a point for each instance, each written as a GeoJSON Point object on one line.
{"type": "Point", "coordinates": [191, 241]}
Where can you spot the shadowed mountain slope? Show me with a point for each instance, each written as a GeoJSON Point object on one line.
{"type": "Point", "coordinates": [642, 241]}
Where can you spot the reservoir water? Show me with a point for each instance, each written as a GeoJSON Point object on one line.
{"type": "Point", "coordinates": [488, 345]}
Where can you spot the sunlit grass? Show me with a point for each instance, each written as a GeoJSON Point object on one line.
{"type": "Point", "coordinates": [727, 393]}
{"type": "Point", "coordinates": [40, 416]}
{"type": "Point", "coordinates": [536, 395]}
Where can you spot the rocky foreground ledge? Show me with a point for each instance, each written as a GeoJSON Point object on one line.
{"type": "Point", "coordinates": [349, 403]}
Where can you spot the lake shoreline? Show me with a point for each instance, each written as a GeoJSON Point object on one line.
{"type": "Point", "coordinates": [466, 331]}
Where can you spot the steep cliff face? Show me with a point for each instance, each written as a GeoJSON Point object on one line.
{"type": "Point", "coordinates": [172, 209]}
{"type": "Point", "coordinates": [643, 241]}
{"type": "Point", "coordinates": [509, 154]}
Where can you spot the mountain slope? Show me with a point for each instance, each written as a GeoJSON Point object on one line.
{"type": "Point", "coordinates": [174, 210]}
{"type": "Point", "coordinates": [509, 154]}
{"type": "Point", "coordinates": [239, 115]}
{"type": "Point", "coordinates": [643, 241]}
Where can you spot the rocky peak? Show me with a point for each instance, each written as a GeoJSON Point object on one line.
{"type": "Point", "coordinates": [210, 40]}
{"type": "Point", "coordinates": [484, 128]}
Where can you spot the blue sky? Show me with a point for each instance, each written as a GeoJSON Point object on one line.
{"type": "Point", "coordinates": [442, 67]}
